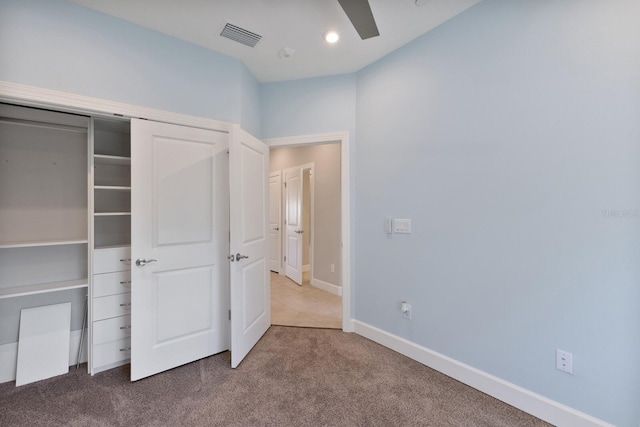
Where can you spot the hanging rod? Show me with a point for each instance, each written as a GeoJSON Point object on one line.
{"type": "Point", "coordinates": [42, 125]}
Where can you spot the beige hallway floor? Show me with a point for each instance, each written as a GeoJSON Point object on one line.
{"type": "Point", "coordinates": [307, 306]}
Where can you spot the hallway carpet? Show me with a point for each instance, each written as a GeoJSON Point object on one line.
{"type": "Point", "coordinates": [293, 377]}
{"type": "Point", "coordinates": [305, 306]}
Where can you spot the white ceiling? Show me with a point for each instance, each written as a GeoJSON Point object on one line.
{"type": "Point", "coordinates": [295, 24]}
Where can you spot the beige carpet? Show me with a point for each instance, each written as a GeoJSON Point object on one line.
{"type": "Point", "coordinates": [293, 377]}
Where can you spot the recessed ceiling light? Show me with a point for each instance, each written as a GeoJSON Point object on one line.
{"type": "Point", "coordinates": [331, 36]}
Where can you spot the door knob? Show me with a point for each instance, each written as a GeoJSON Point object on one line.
{"type": "Point", "coordinates": [277, 228]}
{"type": "Point", "coordinates": [239, 257]}
{"type": "Point", "coordinates": [141, 262]}
{"type": "Point", "coordinates": [299, 231]}
{"type": "Point", "coordinates": [231, 257]}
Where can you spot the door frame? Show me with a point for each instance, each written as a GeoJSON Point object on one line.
{"type": "Point", "coordinates": [345, 207]}
{"type": "Point", "coordinates": [312, 226]}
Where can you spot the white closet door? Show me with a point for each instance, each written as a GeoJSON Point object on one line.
{"type": "Point", "coordinates": [179, 243]}
{"type": "Point", "coordinates": [250, 284]}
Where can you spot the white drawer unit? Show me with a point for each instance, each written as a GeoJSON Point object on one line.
{"type": "Point", "coordinates": [108, 260]}
{"type": "Point", "coordinates": [111, 306]}
{"type": "Point", "coordinates": [111, 354]}
{"type": "Point", "coordinates": [108, 330]}
{"type": "Point", "coordinates": [111, 284]}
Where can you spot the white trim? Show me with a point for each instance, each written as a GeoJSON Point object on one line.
{"type": "Point", "coordinates": [326, 286]}
{"type": "Point", "coordinates": [345, 206]}
{"type": "Point", "coordinates": [9, 356]}
{"type": "Point", "coordinates": [320, 138]}
{"type": "Point", "coordinates": [306, 267]}
{"type": "Point", "coordinates": [40, 97]}
{"type": "Point", "coordinates": [521, 398]}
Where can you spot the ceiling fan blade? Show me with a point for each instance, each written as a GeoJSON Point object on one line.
{"type": "Point", "coordinates": [360, 15]}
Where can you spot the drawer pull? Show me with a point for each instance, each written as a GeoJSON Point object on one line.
{"type": "Point", "coordinates": [126, 260]}
{"type": "Point", "coordinates": [126, 349]}
{"type": "Point", "coordinates": [126, 282]}
{"type": "Point", "coordinates": [128, 304]}
{"type": "Point", "coordinates": [125, 327]}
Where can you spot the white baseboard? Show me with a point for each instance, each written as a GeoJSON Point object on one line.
{"type": "Point", "coordinates": [326, 286]}
{"type": "Point", "coordinates": [521, 398]}
{"type": "Point", "coordinates": [306, 267]}
{"type": "Point", "coordinates": [9, 356]}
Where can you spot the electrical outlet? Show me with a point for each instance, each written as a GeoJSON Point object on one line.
{"type": "Point", "coordinates": [405, 308]}
{"type": "Point", "coordinates": [564, 361]}
{"type": "Point", "coordinates": [333, 268]}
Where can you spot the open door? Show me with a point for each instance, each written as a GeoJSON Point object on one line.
{"type": "Point", "coordinates": [275, 209]}
{"type": "Point", "coordinates": [250, 283]}
{"type": "Point", "coordinates": [293, 223]}
{"type": "Point", "coordinates": [179, 245]}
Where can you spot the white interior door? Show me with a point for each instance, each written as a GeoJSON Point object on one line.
{"type": "Point", "coordinates": [250, 284]}
{"type": "Point", "coordinates": [179, 229]}
{"type": "Point", "coordinates": [275, 219]}
{"type": "Point", "coordinates": [293, 223]}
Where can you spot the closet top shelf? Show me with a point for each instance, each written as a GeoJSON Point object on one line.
{"type": "Point", "coordinates": [104, 159]}
{"type": "Point", "coordinates": [34, 244]}
{"type": "Point", "coordinates": [20, 291]}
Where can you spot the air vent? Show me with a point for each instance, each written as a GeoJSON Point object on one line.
{"type": "Point", "coordinates": [240, 35]}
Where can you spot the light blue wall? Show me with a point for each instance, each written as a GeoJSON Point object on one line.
{"type": "Point", "coordinates": [58, 45]}
{"type": "Point", "coordinates": [309, 106]}
{"type": "Point", "coordinates": [511, 137]}
{"type": "Point", "coordinates": [250, 114]}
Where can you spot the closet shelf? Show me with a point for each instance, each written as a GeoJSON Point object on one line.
{"type": "Point", "coordinates": [105, 247]}
{"type": "Point", "coordinates": [112, 187]}
{"type": "Point", "coordinates": [36, 244]}
{"type": "Point", "coordinates": [112, 213]}
{"type": "Point", "coordinates": [19, 291]}
{"type": "Point", "coordinates": [104, 159]}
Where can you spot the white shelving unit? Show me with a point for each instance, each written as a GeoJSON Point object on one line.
{"type": "Point", "coordinates": [111, 224]}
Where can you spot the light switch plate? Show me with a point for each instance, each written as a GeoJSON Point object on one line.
{"type": "Point", "coordinates": [402, 226]}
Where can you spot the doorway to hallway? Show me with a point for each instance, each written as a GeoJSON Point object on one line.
{"type": "Point", "coordinates": [305, 229]}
